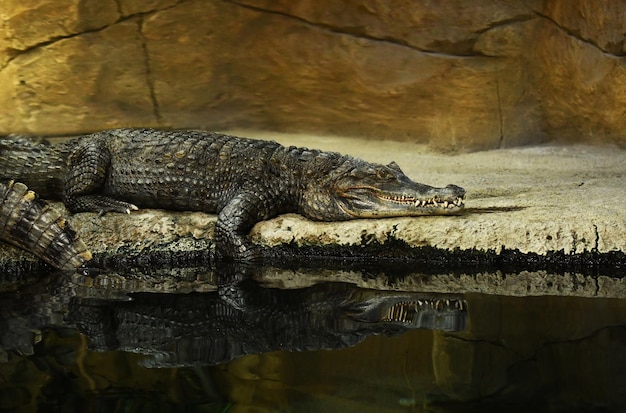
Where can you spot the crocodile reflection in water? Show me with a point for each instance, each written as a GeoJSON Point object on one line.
{"type": "Point", "coordinates": [238, 318]}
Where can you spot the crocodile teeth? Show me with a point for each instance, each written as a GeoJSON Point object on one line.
{"type": "Point", "coordinates": [435, 202]}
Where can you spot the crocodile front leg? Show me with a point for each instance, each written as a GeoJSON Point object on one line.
{"type": "Point", "coordinates": [235, 221]}
{"type": "Point", "coordinates": [87, 172]}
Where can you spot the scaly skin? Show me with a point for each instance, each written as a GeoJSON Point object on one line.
{"type": "Point", "coordinates": [32, 224]}
{"type": "Point", "coordinates": [243, 180]}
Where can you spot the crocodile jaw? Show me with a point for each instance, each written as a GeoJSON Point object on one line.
{"type": "Point", "coordinates": [371, 202]}
{"type": "Point", "coordinates": [446, 312]}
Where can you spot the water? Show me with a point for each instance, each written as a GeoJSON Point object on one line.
{"type": "Point", "coordinates": [234, 342]}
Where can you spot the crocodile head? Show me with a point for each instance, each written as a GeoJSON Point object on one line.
{"type": "Point", "coordinates": [359, 189]}
{"type": "Point", "coordinates": [434, 311]}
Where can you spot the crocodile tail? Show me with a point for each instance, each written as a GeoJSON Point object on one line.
{"type": "Point", "coordinates": [32, 224]}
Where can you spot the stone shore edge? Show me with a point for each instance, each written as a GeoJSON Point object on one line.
{"type": "Point", "coordinates": [393, 263]}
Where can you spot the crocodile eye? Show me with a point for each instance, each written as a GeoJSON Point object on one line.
{"type": "Point", "coordinates": [384, 173]}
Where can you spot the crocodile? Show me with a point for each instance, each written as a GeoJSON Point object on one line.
{"type": "Point", "coordinates": [32, 224]}
{"type": "Point", "coordinates": [238, 317]}
{"type": "Point", "coordinates": [242, 180]}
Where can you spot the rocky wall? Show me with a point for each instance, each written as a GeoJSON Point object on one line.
{"type": "Point", "coordinates": [454, 74]}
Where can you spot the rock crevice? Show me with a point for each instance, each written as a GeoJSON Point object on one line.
{"type": "Point", "coordinates": [359, 33]}
{"type": "Point", "coordinates": [575, 34]}
{"type": "Point", "coordinates": [149, 74]}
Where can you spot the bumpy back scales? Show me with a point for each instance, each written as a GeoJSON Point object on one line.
{"type": "Point", "coordinates": [41, 166]}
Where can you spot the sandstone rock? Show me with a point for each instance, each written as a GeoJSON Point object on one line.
{"type": "Point", "coordinates": [80, 83]}
{"type": "Point", "coordinates": [130, 7]}
{"type": "Point", "coordinates": [583, 89]}
{"type": "Point", "coordinates": [456, 75]}
{"type": "Point", "coordinates": [600, 23]}
{"type": "Point", "coordinates": [450, 28]}
{"type": "Point", "coordinates": [287, 74]}
{"type": "Point", "coordinates": [29, 23]}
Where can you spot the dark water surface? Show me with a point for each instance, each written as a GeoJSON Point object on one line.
{"type": "Point", "coordinates": [214, 342]}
